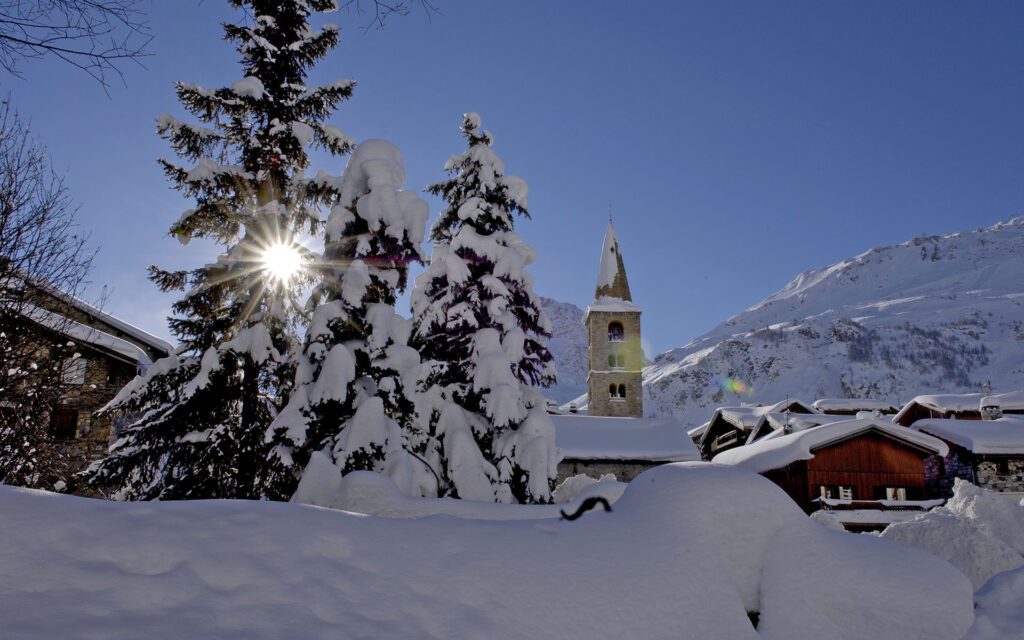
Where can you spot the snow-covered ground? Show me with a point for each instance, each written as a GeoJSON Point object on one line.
{"type": "Point", "coordinates": [687, 552]}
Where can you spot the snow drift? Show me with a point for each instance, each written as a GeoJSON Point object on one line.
{"type": "Point", "coordinates": [978, 531]}
{"type": "Point", "coordinates": [79, 568]}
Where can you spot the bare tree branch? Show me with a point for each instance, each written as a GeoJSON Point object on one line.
{"type": "Point", "coordinates": [40, 252]}
{"type": "Point", "coordinates": [384, 9]}
{"type": "Point", "coordinates": [96, 36]}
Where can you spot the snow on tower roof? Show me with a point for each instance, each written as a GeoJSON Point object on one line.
{"type": "Point", "coordinates": [1003, 436]}
{"type": "Point", "coordinates": [611, 275]}
{"type": "Point", "coordinates": [779, 451]}
{"type": "Point", "coordinates": [604, 438]}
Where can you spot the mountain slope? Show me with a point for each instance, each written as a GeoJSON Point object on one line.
{"type": "Point", "coordinates": [568, 345]}
{"type": "Point", "coordinates": [935, 314]}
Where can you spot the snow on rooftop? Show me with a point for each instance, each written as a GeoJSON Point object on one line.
{"type": "Point", "coordinates": [1012, 401]}
{"type": "Point", "coordinates": [605, 303]}
{"type": "Point", "coordinates": [1003, 436]}
{"type": "Point", "coordinates": [748, 416]}
{"type": "Point", "coordinates": [852, 404]}
{"type": "Point", "coordinates": [774, 453]}
{"type": "Point", "coordinates": [604, 438]}
{"type": "Point", "coordinates": [86, 334]}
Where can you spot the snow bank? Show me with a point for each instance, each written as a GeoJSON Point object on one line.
{"type": "Point", "coordinates": [78, 568]}
{"type": "Point", "coordinates": [1000, 608]}
{"type": "Point", "coordinates": [377, 495]}
{"type": "Point", "coordinates": [978, 531]}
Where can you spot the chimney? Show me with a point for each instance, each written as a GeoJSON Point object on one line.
{"type": "Point", "coordinates": [991, 412]}
{"type": "Point", "coordinates": [572, 407]}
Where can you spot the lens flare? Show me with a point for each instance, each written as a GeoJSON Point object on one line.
{"type": "Point", "coordinates": [282, 261]}
{"type": "Point", "coordinates": [735, 385]}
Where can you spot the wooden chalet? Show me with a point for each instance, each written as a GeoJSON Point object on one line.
{"type": "Point", "coordinates": [730, 427]}
{"type": "Point", "coordinates": [859, 465]}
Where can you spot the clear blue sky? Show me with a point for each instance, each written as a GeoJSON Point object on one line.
{"type": "Point", "coordinates": [737, 143]}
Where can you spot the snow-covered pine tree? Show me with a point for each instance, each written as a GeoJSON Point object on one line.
{"type": "Point", "coordinates": [353, 397]}
{"type": "Point", "coordinates": [201, 414]}
{"type": "Point", "coordinates": [477, 325]}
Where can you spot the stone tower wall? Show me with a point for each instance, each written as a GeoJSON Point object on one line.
{"type": "Point", "coordinates": [602, 374]}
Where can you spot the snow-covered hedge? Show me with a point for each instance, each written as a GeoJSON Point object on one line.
{"type": "Point", "coordinates": [687, 552]}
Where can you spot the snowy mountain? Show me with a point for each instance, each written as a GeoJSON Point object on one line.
{"type": "Point", "coordinates": [568, 345]}
{"type": "Point", "coordinates": [939, 314]}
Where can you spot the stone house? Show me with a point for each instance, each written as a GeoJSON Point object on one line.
{"type": "Point", "coordinates": [597, 445]}
{"type": "Point", "coordinates": [988, 453]}
{"type": "Point", "coordinates": [107, 352]}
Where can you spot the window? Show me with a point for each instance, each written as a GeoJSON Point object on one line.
{"type": "Point", "coordinates": [615, 332]}
{"type": "Point", "coordinates": [836, 492]}
{"type": "Point", "coordinates": [895, 493]}
{"type": "Point", "coordinates": [63, 424]}
{"type": "Point", "coordinates": [617, 392]}
{"type": "Point", "coordinates": [74, 370]}
{"type": "Point", "coordinates": [1002, 467]}
{"type": "Point", "coordinates": [616, 361]}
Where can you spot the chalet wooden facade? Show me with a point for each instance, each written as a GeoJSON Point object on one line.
{"type": "Point", "coordinates": [868, 466]}
{"type": "Point", "coordinates": [863, 463]}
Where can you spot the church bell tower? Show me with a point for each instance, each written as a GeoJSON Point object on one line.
{"type": "Point", "coordinates": [613, 338]}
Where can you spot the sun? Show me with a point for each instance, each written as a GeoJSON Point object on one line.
{"type": "Point", "coordinates": [283, 261]}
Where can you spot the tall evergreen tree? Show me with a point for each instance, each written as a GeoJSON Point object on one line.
{"type": "Point", "coordinates": [202, 413]}
{"type": "Point", "coordinates": [478, 325]}
{"type": "Point", "coordinates": [355, 382]}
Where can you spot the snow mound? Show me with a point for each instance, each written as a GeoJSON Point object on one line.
{"type": "Point", "coordinates": [79, 568]}
{"type": "Point", "coordinates": [978, 531]}
{"type": "Point", "coordinates": [1000, 608]}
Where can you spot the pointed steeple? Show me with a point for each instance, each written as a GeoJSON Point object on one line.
{"type": "Point", "coordinates": [611, 276]}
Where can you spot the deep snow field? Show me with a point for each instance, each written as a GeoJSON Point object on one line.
{"type": "Point", "coordinates": [688, 550]}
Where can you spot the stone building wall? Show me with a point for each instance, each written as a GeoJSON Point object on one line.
{"type": "Point", "coordinates": [1002, 473]}
{"type": "Point", "coordinates": [602, 374]}
{"type": "Point", "coordinates": [623, 470]}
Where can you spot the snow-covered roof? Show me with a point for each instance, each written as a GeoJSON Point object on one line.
{"type": "Point", "coordinates": [605, 438]}
{"type": "Point", "coordinates": [609, 268]}
{"type": "Point", "coordinates": [852, 404]}
{"type": "Point", "coordinates": [748, 417]}
{"type": "Point", "coordinates": [943, 402]}
{"type": "Point", "coordinates": [611, 274]}
{"type": "Point", "coordinates": [605, 303]}
{"type": "Point", "coordinates": [774, 453]}
{"type": "Point", "coordinates": [86, 334]}
{"type": "Point", "coordinates": [1012, 401]}
{"type": "Point", "coordinates": [1002, 436]}
{"type": "Point", "coordinates": [142, 336]}
{"type": "Point", "coordinates": [790, 422]}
